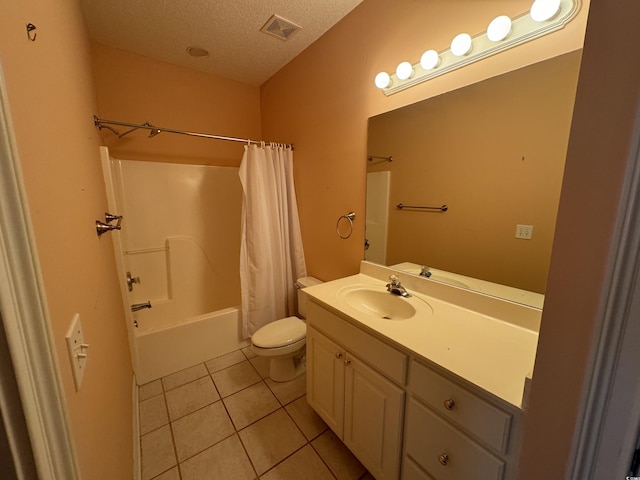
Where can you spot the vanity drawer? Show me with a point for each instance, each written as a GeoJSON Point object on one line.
{"type": "Point", "coordinates": [488, 423]}
{"type": "Point", "coordinates": [384, 358]}
{"type": "Point", "coordinates": [443, 451]}
{"type": "Point", "coordinates": [411, 471]}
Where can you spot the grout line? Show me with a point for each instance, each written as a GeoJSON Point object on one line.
{"type": "Point", "coordinates": [236, 432]}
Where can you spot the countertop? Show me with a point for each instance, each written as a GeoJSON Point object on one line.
{"type": "Point", "coordinates": [491, 353]}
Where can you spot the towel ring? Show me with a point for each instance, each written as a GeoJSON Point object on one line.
{"type": "Point", "coordinates": [350, 217]}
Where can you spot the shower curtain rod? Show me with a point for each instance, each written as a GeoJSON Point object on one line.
{"type": "Point", "coordinates": [153, 131]}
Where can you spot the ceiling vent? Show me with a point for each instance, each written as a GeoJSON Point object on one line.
{"type": "Point", "coordinates": [280, 28]}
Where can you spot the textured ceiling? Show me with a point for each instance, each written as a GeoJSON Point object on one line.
{"type": "Point", "coordinates": [228, 29]}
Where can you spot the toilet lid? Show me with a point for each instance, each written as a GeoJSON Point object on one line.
{"type": "Point", "coordinates": [280, 333]}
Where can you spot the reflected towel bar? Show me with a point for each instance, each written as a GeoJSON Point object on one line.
{"type": "Point", "coordinates": [443, 208]}
{"type": "Point", "coordinates": [387, 159]}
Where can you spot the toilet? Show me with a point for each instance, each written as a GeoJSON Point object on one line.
{"type": "Point", "coordinates": [283, 341]}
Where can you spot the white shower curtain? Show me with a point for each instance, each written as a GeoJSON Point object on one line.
{"type": "Point", "coordinates": [271, 255]}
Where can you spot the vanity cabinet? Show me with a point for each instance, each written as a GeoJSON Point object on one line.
{"type": "Point", "coordinates": [362, 406]}
{"type": "Point", "coordinates": [402, 416]}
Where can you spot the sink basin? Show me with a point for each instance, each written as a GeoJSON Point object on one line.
{"type": "Point", "coordinates": [380, 304]}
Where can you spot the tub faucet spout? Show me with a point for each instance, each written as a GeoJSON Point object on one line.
{"type": "Point", "coordinates": [140, 306]}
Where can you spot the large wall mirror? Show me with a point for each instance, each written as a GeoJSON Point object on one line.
{"type": "Point", "coordinates": [492, 152]}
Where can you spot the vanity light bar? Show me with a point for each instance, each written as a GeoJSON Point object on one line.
{"type": "Point", "coordinates": [551, 15]}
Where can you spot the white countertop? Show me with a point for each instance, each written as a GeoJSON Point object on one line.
{"type": "Point", "coordinates": [491, 353]}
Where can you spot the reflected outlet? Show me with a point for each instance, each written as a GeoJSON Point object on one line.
{"type": "Point", "coordinates": [77, 349]}
{"type": "Point", "coordinates": [524, 231]}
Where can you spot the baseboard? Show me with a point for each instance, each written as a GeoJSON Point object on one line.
{"type": "Point", "coordinates": [137, 467]}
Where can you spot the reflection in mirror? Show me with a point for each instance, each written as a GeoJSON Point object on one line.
{"type": "Point", "coordinates": [494, 153]}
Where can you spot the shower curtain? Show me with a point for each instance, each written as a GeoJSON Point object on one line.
{"type": "Point", "coordinates": [271, 254]}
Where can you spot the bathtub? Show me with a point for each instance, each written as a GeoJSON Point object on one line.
{"type": "Point", "coordinates": [180, 241]}
{"type": "Point", "coordinates": [171, 348]}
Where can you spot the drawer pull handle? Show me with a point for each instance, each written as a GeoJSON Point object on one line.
{"type": "Point", "coordinates": [449, 404]}
{"type": "Point", "coordinates": [443, 458]}
{"type": "Point", "coordinates": [339, 355]}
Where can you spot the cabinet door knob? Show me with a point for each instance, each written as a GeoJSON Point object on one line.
{"type": "Point", "coordinates": [347, 362]}
{"type": "Point", "coordinates": [449, 404]}
{"type": "Point", "coordinates": [443, 458]}
{"type": "Point", "coordinates": [339, 355]}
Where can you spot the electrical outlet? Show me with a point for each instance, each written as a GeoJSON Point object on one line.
{"type": "Point", "coordinates": [524, 231]}
{"type": "Point", "coordinates": [77, 349]}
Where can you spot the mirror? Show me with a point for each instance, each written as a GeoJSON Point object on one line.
{"type": "Point", "coordinates": [493, 152]}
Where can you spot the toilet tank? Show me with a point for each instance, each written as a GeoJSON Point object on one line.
{"type": "Point", "coordinates": [301, 284]}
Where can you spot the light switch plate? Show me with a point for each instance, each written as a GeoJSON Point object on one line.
{"type": "Point", "coordinates": [77, 349]}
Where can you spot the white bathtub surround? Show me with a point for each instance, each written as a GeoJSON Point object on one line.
{"type": "Point", "coordinates": [271, 256]}
{"type": "Point", "coordinates": [173, 216]}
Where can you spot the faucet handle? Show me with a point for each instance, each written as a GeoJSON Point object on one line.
{"type": "Point", "coordinates": [394, 279]}
{"type": "Point", "coordinates": [424, 271]}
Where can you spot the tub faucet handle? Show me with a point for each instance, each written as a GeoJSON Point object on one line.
{"type": "Point", "coordinates": [131, 280]}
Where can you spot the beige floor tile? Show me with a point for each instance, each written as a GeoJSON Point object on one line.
{"type": "Point", "coordinates": [271, 440]}
{"type": "Point", "coordinates": [226, 460]}
{"type": "Point", "coordinates": [201, 429]}
{"type": "Point", "coordinates": [225, 361]}
{"type": "Point", "coordinates": [172, 474]}
{"type": "Point", "coordinates": [190, 397]}
{"type": "Point", "coordinates": [287, 392]}
{"type": "Point", "coordinates": [305, 464]}
{"type": "Point", "coordinates": [157, 452]}
{"type": "Point", "coordinates": [339, 459]}
{"type": "Point", "coordinates": [248, 352]}
{"type": "Point", "coordinates": [261, 364]}
{"type": "Point", "coordinates": [153, 414]}
{"type": "Point", "coordinates": [251, 404]}
{"type": "Point", "coordinates": [306, 418]}
{"type": "Point", "coordinates": [235, 378]}
{"type": "Point", "coordinates": [149, 390]}
{"type": "Point", "coordinates": [184, 376]}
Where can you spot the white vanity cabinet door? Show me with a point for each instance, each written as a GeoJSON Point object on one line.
{"type": "Point", "coordinates": [374, 409]}
{"type": "Point", "coordinates": [325, 379]}
{"type": "Point", "coordinates": [359, 404]}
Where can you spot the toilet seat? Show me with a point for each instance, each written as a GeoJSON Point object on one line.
{"type": "Point", "coordinates": [281, 333]}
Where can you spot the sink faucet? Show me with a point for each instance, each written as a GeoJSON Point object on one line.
{"type": "Point", "coordinates": [424, 271]}
{"type": "Point", "coordinates": [395, 288]}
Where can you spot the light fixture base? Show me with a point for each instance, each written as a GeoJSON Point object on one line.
{"type": "Point", "coordinates": [523, 29]}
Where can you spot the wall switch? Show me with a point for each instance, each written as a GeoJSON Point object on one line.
{"type": "Point", "coordinates": [77, 349]}
{"type": "Point", "coordinates": [524, 231]}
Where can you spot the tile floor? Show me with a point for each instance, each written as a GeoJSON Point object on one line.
{"type": "Point", "coordinates": [225, 419]}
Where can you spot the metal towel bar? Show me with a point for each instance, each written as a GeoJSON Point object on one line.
{"type": "Point", "coordinates": [443, 208]}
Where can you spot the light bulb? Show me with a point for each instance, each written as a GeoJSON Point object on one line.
{"type": "Point", "coordinates": [383, 80]}
{"type": "Point", "coordinates": [461, 45]}
{"type": "Point", "coordinates": [543, 10]}
{"type": "Point", "coordinates": [499, 28]}
{"type": "Point", "coordinates": [429, 60]}
{"type": "Point", "coordinates": [404, 71]}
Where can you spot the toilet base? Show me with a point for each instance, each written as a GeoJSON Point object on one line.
{"type": "Point", "coordinates": [287, 368]}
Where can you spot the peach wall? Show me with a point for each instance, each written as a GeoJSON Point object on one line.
{"type": "Point", "coordinates": [494, 153]}
{"type": "Point", "coordinates": [135, 89]}
{"type": "Point", "coordinates": [52, 100]}
{"type": "Point", "coordinates": [600, 146]}
{"type": "Point", "coordinates": [322, 99]}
